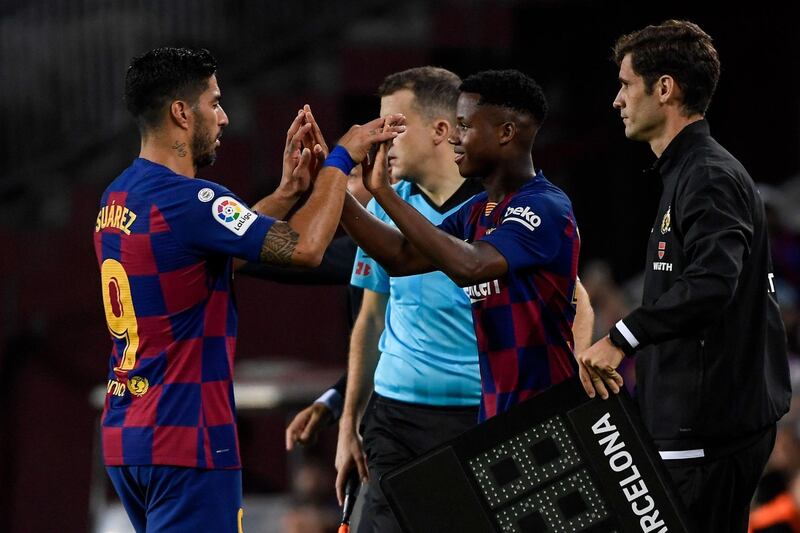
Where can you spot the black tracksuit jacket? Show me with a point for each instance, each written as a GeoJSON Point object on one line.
{"type": "Point", "coordinates": [711, 360]}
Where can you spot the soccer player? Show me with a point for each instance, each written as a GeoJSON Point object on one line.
{"type": "Point", "coordinates": [164, 242]}
{"type": "Point", "coordinates": [711, 366]}
{"type": "Point", "coordinates": [514, 248]}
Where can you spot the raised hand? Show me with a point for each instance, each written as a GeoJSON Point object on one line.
{"type": "Point", "coordinates": [314, 141]}
{"type": "Point", "coordinates": [296, 176]}
{"type": "Point", "coordinates": [358, 140]}
{"type": "Point", "coordinates": [378, 175]}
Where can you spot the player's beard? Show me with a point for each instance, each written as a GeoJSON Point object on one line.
{"type": "Point", "coordinates": [204, 147]}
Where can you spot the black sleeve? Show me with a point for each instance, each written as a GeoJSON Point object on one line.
{"type": "Point", "coordinates": [715, 218]}
{"type": "Point", "coordinates": [335, 269]}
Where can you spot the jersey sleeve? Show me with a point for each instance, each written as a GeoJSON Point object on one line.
{"type": "Point", "coordinates": [367, 273]}
{"type": "Point", "coordinates": [208, 218]}
{"type": "Point", "coordinates": [531, 231]}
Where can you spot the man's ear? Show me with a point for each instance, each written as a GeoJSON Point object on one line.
{"type": "Point", "coordinates": [442, 129]}
{"type": "Point", "coordinates": [666, 88]}
{"type": "Point", "coordinates": [506, 132]}
{"type": "Point", "coordinates": [179, 113]}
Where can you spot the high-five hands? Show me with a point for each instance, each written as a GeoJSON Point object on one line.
{"type": "Point", "coordinates": [299, 168]}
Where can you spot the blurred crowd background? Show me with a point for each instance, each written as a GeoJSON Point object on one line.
{"type": "Point", "coordinates": [66, 135]}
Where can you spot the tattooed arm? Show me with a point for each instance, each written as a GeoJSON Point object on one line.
{"type": "Point", "coordinates": [279, 244]}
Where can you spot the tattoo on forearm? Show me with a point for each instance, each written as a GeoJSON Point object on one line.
{"type": "Point", "coordinates": [180, 147]}
{"type": "Point", "coordinates": [279, 244]}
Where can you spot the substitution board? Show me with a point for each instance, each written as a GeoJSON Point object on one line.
{"type": "Point", "coordinates": [557, 462]}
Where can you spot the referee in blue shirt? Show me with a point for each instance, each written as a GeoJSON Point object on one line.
{"type": "Point", "coordinates": [413, 334]}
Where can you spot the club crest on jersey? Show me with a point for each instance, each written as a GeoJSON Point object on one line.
{"type": "Point", "coordinates": [662, 249]}
{"type": "Point", "coordinates": [138, 385]}
{"type": "Point", "coordinates": [232, 214]}
{"type": "Point", "coordinates": [665, 222]}
{"type": "Point", "coordinates": [524, 216]}
{"type": "Point", "coordinates": [205, 194]}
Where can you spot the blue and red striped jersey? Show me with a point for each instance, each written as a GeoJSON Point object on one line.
{"type": "Point", "coordinates": [164, 244]}
{"type": "Point", "coordinates": [523, 320]}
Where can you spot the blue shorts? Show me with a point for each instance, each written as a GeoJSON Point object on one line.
{"type": "Point", "coordinates": [162, 499]}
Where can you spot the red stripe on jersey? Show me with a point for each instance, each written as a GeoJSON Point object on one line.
{"type": "Point", "coordinates": [112, 442]}
{"type": "Point", "coordinates": [142, 412]}
{"type": "Point", "coordinates": [184, 362]}
{"type": "Point", "coordinates": [505, 369]}
{"type": "Point", "coordinates": [215, 403]}
{"type": "Point", "coordinates": [155, 334]}
{"type": "Point", "coordinates": [528, 330]}
{"type": "Point", "coordinates": [175, 445]}
{"type": "Point", "coordinates": [157, 222]}
{"type": "Point", "coordinates": [184, 288]}
{"type": "Point", "coordinates": [489, 404]}
{"type": "Point", "coordinates": [136, 253]}
{"type": "Point", "coordinates": [216, 314]}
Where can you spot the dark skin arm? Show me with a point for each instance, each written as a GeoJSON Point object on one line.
{"type": "Point", "coordinates": [382, 241]}
{"type": "Point", "coordinates": [418, 246]}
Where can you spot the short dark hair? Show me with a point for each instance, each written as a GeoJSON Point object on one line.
{"type": "Point", "coordinates": [677, 48]}
{"type": "Point", "coordinates": [163, 75]}
{"type": "Point", "coordinates": [510, 89]}
{"type": "Point", "coordinates": [435, 89]}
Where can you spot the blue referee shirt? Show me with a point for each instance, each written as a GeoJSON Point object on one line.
{"type": "Point", "coordinates": [428, 351]}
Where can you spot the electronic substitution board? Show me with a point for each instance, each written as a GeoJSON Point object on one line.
{"type": "Point", "coordinates": [557, 462]}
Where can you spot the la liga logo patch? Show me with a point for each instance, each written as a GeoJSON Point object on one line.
{"type": "Point", "coordinates": [228, 210]}
{"type": "Point", "coordinates": [232, 214]}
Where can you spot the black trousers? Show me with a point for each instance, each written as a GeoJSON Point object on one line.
{"type": "Point", "coordinates": [717, 490]}
{"type": "Point", "coordinates": [394, 433]}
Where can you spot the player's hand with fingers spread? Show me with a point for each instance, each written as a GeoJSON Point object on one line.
{"type": "Point", "coordinates": [307, 424]}
{"type": "Point", "coordinates": [349, 455]}
{"type": "Point", "coordinates": [358, 140]}
{"type": "Point", "coordinates": [597, 368]}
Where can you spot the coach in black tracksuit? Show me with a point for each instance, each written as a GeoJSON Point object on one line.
{"type": "Point", "coordinates": [710, 347]}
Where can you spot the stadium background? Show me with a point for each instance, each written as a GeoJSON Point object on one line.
{"type": "Point", "coordinates": [65, 135]}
